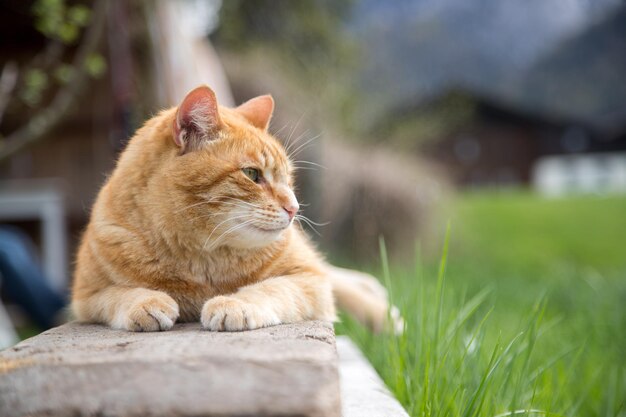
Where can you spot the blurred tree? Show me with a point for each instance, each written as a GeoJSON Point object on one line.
{"type": "Point", "coordinates": [313, 28]}
{"type": "Point", "coordinates": [308, 41]}
{"type": "Point", "coordinates": [45, 87]}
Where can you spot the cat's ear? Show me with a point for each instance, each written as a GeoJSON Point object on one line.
{"type": "Point", "coordinates": [197, 119]}
{"type": "Point", "coordinates": [258, 111]}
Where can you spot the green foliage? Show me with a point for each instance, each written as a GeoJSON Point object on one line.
{"type": "Point", "coordinates": [62, 24]}
{"type": "Point", "coordinates": [57, 20]}
{"type": "Point", "coordinates": [95, 65]}
{"type": "Point", "coordinates": [310, 27]}
{"type": "Point", "coordinates": [35, 82]}
{"type": "Point", "coordinates": [524, 316]}
{"type": "Point", "coordinates": [63, 73]}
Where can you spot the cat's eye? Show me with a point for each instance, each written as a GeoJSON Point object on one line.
{"type": "Point", "coordinates": [252, 173]}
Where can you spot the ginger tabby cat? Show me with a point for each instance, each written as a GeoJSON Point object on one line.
{"type": "Point", "coordinates": [195, 223]}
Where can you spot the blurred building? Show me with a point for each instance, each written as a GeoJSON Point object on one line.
{"type": "Point", "coordinates": [498, 144]}
{"type": "Point", "coordinates": [558, 118]}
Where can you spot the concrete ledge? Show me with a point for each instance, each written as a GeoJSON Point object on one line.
{"type": "Point", "coordinates": [363, 393]}
{"type": "Point", "coordinates": [86, 370]}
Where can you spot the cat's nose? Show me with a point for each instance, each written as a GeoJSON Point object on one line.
{"type": "Point", "coordinates": [291, 210]}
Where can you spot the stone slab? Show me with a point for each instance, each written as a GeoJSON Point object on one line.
{"type": "Point", "coordinates": [363, 393]}
{"type": "Point", "coordinates": [89, 370]}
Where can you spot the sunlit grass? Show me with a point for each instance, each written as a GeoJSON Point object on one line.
{"type": "Point", "coordinates": [498, 326]}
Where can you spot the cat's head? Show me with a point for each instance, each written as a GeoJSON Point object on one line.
{"type": "Point", "coordinates": [232, 180]}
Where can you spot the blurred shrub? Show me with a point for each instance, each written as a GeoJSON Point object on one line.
{"type": "Point", "coordinates": [369, 192]}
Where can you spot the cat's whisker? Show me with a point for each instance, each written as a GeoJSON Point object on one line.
{"type": "Point", "coordinates": [310, 163]}
{"type": "Point", "coordinates": [251, 207]}
{"type": "Point", "coordinates": [221, 202]}
{"type": "Point", "coordinates": [300, 220]}
{"type": "Point", "coordinates": [221, 198]}
{"type": "Point", "coordinates": [297, 140]}
{"type": "Point", "coordinates": [228, 203]}
{"type": "Point", "coordinates": [209, 215]}
{"type": "Point", "coordinates": [215, 201]}
{"type": "Point", "coordinates": [221, 223]}
{"type": "Point", "coordinates": [287, 144]}
{"type": "Point", "coordinates": [235, 202]}
{"type": "Point", "coordinates": [295, 126]}
{"type": "Point", "coordinates": [315, 223]}
{"type": "Point", "coordinates": [280, 130]}
{"type": "Point", "coordinates": [303, 146]}
{"type": "Point", "coordinates": [232, 229]}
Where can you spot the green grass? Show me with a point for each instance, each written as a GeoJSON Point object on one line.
{"type": "Point", "coordinates": [523, 314]}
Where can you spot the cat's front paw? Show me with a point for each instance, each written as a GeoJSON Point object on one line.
{"type": "Point", "coordinates": [149, 313]}
{"type": "Point", "coordinates": [228, 313]}
{"type": "Point", "coordinates": [395, 322]}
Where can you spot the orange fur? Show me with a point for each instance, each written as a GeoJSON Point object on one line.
{"type": "Point", "coordinates": [179, 232]}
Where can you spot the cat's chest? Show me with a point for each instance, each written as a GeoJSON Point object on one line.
{"type": "Point", "coordinates": [199, 280]}
{"type": "Point", "coordinates": [222, 273]}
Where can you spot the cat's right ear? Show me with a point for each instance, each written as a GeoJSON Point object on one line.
{"type": "Point", "coordinates": [197, 119]}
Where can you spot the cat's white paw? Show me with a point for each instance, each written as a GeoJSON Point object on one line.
{"type": "Point", "coordinates": [397, 321]}
{"type": "Point", "coordinates": [227, 313]}
{"type": "Point", "coordinates": [150, 313]}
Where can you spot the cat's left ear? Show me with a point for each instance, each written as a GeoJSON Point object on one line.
{"type": "Point", "coordinates": [258, 111]}
{"type": "Point", "coordinates": [197, 119]}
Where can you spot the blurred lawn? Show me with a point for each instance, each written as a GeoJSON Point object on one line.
{"type": "Point", "coordinates": [530, 313]}
{"type": "Point", "coordinates": [526, 231]}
